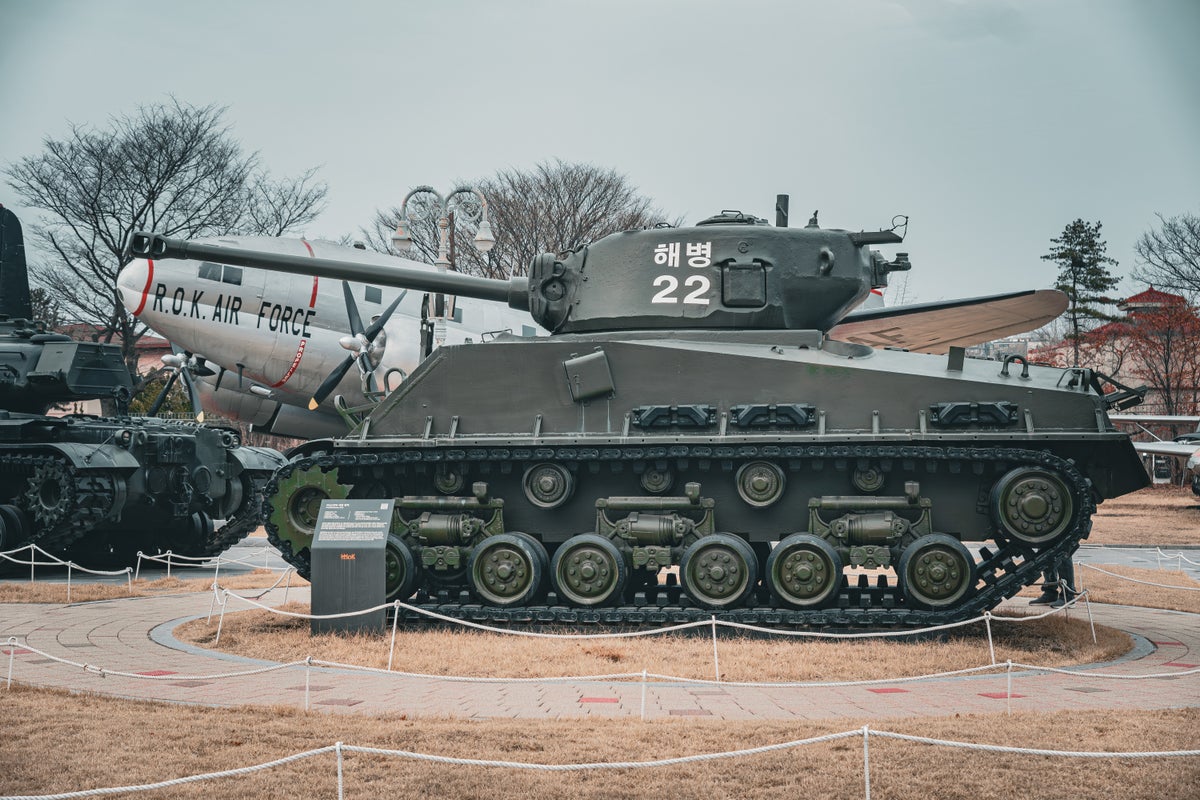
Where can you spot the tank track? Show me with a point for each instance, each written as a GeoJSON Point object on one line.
{"type": "Point", "coordinates": [1004, 567]}
{"type": "Point", "coordinates": [91, 492]}
{"type": "Point", "coordinates": [244, 520]}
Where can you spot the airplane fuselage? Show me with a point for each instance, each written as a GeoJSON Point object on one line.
{"type": "Point", "coordinates": [276, 336]}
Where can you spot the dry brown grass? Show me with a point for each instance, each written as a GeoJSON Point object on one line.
{"type": "Point", "coordinates": [43, 591]}
{"type": "Point", "coordinates": [1102, 588]}
{"type": "Point", "coordinates": [1158, 515]}
{"type": "Point", "coordinates": [70, 742]}
{"type": "Point", "coordinates": [1054, 641]}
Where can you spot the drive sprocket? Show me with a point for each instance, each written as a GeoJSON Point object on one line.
{"type": "Point", "coordinates": [291, 511]}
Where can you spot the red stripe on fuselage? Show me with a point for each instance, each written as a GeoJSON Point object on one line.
{"type": "Point", "coordinates": [312, 303]}
{"type": "Point", "coordinates": [146, 289]}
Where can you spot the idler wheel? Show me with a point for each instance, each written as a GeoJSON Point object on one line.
{"type": "Point", "coordinates": [50, 494]}
{"type": "Point", "coordinates": [402, 573]}
{"type": "Point", "coordinates": [936, 571]}
{"type": "Point", "coordinates": [804, 571]}
{"type": "Point", "coordinates": [760, 483]}
{"type": "Point", "coordinates": [718, 571]}
{"type": "Point", "coordinates": [589, 570]}
{"type": "Point", "coordinates": [548, 485]}
{"type": "Point", "coordinates": [506, 570]}
{"type": "Point", "coordinates": [296, 505]}
{"type": "Point", "coordinates": [1031, 505]}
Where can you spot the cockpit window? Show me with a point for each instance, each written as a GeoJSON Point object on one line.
{"type": "Point", "coordinates": [373, 294]}
{"type": "Point", "coordinates": [217, 272]}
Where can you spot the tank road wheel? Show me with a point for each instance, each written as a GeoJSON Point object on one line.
{"type": "Point", "coordinates": [589, 570]}
{"type": "Point", "coordinates": [295, 507]}
{"type": "Point", "coordinates": [50, 495]}
{"type": "Point", "coordinates": [539, 549]}
{"type": "Point", "coordinates": [505, 570]}
{"type": "Point", "coordinates": [14, 527]}
{"type": "Point", "coordinates": [760, 483]}
{"type": "Point", "coordinates": [402, 573]}
{"type": "Point", "coordinates": [1031, 505]}
{"type": "Point", "coordinates": [192, 538]}
{"type": "Point", "coordinates": [718, 571]}
{"type": "Point", "coordinates": [936, 571]}
{"type": "Point", "coordinates": [804, 571]}
{"type": "Point", "coordinates": [548, 485]}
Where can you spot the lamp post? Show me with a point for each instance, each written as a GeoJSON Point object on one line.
{"type": "Point", "coordinates": [402, 239]}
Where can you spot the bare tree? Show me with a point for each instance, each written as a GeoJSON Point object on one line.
{"type": "Point", "coordinates": [1169, 257]}
{"type": "Point", "coordinates": [171, 168]}
{"type": "Point", "coordinates": [554, 207]}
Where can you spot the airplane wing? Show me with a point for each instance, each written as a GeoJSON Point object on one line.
{"type": "Point", "coordinates": [1156, 419]}
{"type": "Point", "coordinates": [936, 327]}
{"type": "Point", "coordinates": [1177, 449]}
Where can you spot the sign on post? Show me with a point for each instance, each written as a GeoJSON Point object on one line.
{"type": "Point", "coordinates": [348, 572]}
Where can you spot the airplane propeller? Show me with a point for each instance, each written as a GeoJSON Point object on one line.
{"type": "Point", "coordinates": [365, 345]}
{"type": "Point", "coordinates": [185, 365]}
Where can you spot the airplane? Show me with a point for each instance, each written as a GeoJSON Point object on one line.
{"type": "Point", "coordinates": [279, 341]}
{"type": "Point", "coordinates": [1185, 447]}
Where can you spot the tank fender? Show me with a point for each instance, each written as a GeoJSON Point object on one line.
{"type": "Point", "coordinates": [257, 458]}
{"type": "Point", "coordinates": [93, 456]}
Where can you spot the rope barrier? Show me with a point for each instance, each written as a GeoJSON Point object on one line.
{"type": "Point", "coordinates": [644, 676]}
{"type": "Point", "coordinates": [986, 617]}
{"type": "Point", "coordinates": [339, 749]}
{"type": "Point", "coordinates": [1144, 583]}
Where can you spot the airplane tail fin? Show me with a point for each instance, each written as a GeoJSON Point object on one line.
{"type": "Point", "coordinates": [14, 276]}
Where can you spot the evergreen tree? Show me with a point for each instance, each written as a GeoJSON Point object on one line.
{"type": "Point", "coordinates": [1083, 276]}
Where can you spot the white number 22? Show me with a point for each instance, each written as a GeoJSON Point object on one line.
{"type": "Point", "coordinates": [670, 283]}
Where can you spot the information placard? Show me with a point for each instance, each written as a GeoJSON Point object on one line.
{"type": "Point", "coordinates": [348, 572]}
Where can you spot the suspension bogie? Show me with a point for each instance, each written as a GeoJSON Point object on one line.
{"type": "Point", "coordinates": [849, 531]}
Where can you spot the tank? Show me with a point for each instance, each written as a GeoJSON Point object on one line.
{"type": "Point", "coordinates": [96, 490]}
{"type": "Point", "coordinates": [689, 442]}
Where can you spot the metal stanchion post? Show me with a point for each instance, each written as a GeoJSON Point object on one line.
{"type": "Point", "coordinates": [716, 660]}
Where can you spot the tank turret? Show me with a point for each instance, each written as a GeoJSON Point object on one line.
{"type": "Point", "coordinates": [730, 271]}
{"type": "Point", "coordinates": [690, 442]}
{"type": "Point", "coordinates": [97, 490]}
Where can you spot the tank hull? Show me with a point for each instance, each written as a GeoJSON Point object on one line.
{"type": "Point", "coordinates": [886, 458]}
{"type": "Point", "coordinates": [98, 490]}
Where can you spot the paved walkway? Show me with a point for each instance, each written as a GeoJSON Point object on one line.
{"type": "Point", "coordinates": [133, 635]}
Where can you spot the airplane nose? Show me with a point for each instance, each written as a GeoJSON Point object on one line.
{"type": "Point", "coordinates": [134, 284]}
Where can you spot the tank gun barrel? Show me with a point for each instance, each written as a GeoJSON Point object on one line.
{"type": "Point", "coordinates": [514, 291]}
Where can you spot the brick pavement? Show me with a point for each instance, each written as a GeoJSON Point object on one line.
{"type": "Point", "coordinates": [133, 635]}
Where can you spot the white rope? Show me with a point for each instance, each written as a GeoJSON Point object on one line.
{"type": "Point", "coordinates": [146, 787]}
{"type": "Point", "coordinates": [615, 676]}
{"type": "Point", "coordinates": [1144, 583]}
{"type": "Point", "coordinates": [1109, 676]}
{"type": "Point", "coordinates": [105, 673]}
{"type": "Point", "coordinates": [995, 748]}
{"type": "Point", "coordinates": [865, 732]}
{"type": "Point", "coordinates": [591, 765]}
{"type": "Point", "coordinates": [608, 677]}
{"type": "Point", "coordinates": [656, 631]}
{"type": "Point", "coordinates": [55, 561]}
{"type": "Point", "coordinates": [1178, 556]}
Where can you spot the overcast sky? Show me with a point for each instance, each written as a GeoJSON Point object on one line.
{"type": "Point", "coordinates": [991, 123]}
